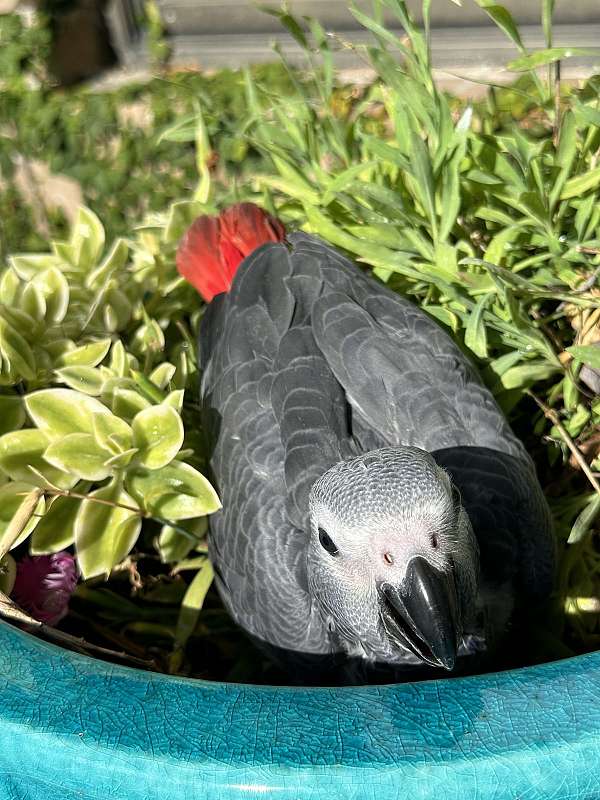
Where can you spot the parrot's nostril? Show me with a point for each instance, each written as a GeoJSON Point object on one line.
{"type": "Point", "coordinates": [388, 558]}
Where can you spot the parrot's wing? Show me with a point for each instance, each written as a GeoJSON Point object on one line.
{"type": "Point", "coordinates": [406, 381]}
{"type": "Point", "coordinates": [404, 377]}
{"type": "Point", "coordinates": [509, 514]}
{"type": "Point", "coordinates": [275, 412]}
{"type": "Point", "coordinates": [310, 407]}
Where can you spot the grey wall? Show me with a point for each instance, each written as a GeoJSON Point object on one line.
{"type": "Point", "coordinates": [189, 17]}
{"type": "Point", "coordinates": [217, 33]}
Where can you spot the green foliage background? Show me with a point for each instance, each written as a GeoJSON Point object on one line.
{"type": "Point", "coordinates": [125, 169]}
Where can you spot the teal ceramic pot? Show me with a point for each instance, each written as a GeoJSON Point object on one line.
{"type": "Point", "coordinates": [75, 727]}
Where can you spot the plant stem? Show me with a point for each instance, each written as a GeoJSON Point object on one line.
{"type": "Point", "coordinates": [10, 610]}
{"type": "Point", "coordinates": [20, 520]}
{"type": "Point", "coordinates": [56, 492]}
{"type": "Point", "coordinates": [556, 126]}
{"type": "Point", "coordinates": [550, 414]}
{"type": "Point", "coordinates": [593, 251]}
{"type": "Point", "coordinates": [80, 496]}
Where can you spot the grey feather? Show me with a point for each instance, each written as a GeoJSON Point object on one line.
{"type": "Point", "coordinates": [310, 407]}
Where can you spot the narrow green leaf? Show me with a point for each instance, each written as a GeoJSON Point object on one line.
{"type": "Point", "coordinates": [295, 178]}
{"type": "Point", "coordinates": [581, 183]}
{"type": "Point", "coordinates": [517, 313]}
{"type": "Point", "coordinates": [490, 214]}
{"type": "Point", "coordinates": [503, 19]}
{"type": "Point", "coordinates": [527, 374]}
{"type": "Point", "coordinates": [387, 154]}
{"type": "Point", "coordinates": [547, 12]}
{"type": "Point", "coordinates": [476, 332]}
{"type": "Point", "coordinates": [344, 179]}
{"type": "Point", "coordinates": [567, 150]}
{"type": "Point", "coordinates": [377, 28]}
{"type": "Point", "coordinates": [542, 57]}
{"type": "Point", "coordinates": [496, 249]}
{"type": "Point", "coordinates": [190, 610]}
{"type": "Point", "coordinates": [445, 257]}
{"type": "Point", "coordinates": [583, 523]}
{"type": "Point", "coordinates": [203, 151]}
{"type": "Point", "coordinates": [588, 353]}
{"type": "Point", "coordinates": [295, 29]}
{"type": "Point", "coordinates": [443, 315]}
{"type": "Point", "coordinates": [321, 39]}
{"type": "Point", "coordinates": [416, 37]}
{"type": "Point", "coordinates": [193, 563]}
{"type": "Point", "coordinates": [576, 423]}
{"type": "Point", "coordinates": [584, 212]}
{"type": "Point", "coordinates": [500, 365]}
{"type": "Point", "coordinates": [184, 130]}
{"type": "Point", "coordinates": [570, 393]}
{"type": "Point", "coordinates": [421, 166]}
{"type": "Point", "coordinates": [451, 197]}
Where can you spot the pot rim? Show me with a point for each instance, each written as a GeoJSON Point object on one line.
{"type": "Point", "coordinates": [116, 731]}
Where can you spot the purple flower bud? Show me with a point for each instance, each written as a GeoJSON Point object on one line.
{"type": "Point", "coordinates": [44, 586]}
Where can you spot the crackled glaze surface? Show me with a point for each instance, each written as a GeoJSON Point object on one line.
{"type": "Point", "coordinates": [74, 727]}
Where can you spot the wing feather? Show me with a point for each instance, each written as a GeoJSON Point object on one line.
{"type": "Point", "coordinates": [310, 407]}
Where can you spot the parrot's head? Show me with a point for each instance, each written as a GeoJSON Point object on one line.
{"type": "Point", "coordinates": [393, 563]}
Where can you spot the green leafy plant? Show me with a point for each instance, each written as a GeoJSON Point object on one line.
{"type": "Point", "coordinates": [111, 142]}
{"type": "Point", "coordinates": [93, 397]}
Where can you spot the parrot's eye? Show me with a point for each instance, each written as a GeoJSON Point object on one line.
{"type": "Point", "coordinates": [327, 542]}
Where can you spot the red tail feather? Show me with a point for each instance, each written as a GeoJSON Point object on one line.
{"type": "Point", "coordinates": [213, 247]}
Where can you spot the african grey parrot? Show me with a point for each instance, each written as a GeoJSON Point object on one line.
{"type": "Point", "coordinates": [375, 501]}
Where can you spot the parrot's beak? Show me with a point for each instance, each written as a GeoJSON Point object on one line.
{"type": "Point", "coordinates": [421, 615]}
